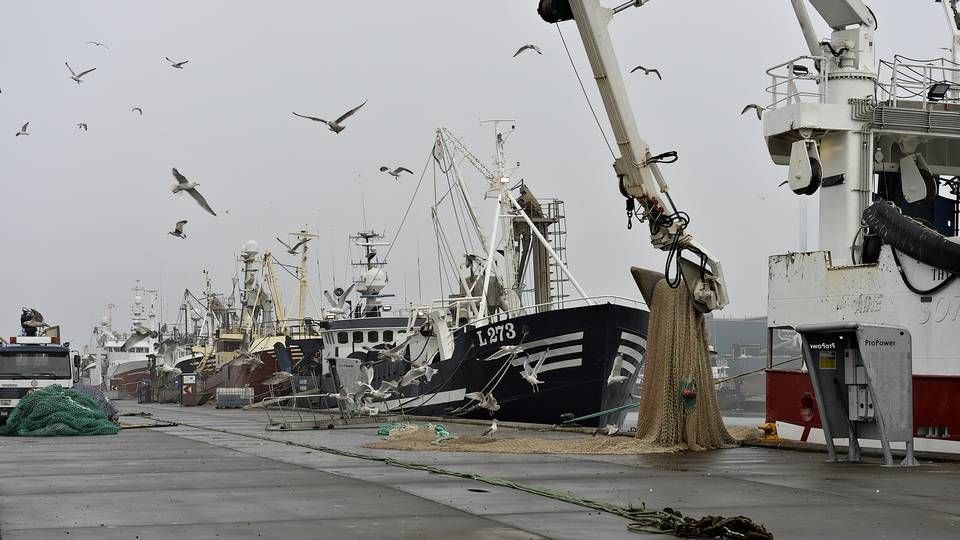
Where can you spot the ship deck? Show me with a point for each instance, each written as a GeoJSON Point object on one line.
{"type": "Point", "coordinates": [190, 481]}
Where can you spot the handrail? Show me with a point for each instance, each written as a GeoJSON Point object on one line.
{"type": "Point", "coordinates": [912, 79]}
{"type": "Point", "coordinates": [783, 87]}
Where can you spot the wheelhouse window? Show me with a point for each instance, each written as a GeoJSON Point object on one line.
{"type": "Point", "coordinates": [388, 336]}
{"type": "Point", "coordinates": [343, 338]}
{"type": "Point", "coordinates": [358, 336]}
{"type": "Point", "coordinates": [373, 336]}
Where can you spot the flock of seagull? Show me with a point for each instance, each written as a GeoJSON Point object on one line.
{"type": "Point", "coordinates": [362, 399]}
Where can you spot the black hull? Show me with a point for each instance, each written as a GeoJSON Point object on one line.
{"type": "Point", "coordinates": [581, 344]}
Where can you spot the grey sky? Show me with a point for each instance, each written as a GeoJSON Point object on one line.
{"type": "Point", "coordinates": [86, 213]}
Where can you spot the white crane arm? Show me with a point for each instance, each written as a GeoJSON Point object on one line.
{"type": "Point", "coordinates": [636, 167]}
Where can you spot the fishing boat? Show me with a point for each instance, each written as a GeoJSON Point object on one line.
{"type": "Point", "coordinates": [874, 141]}
{"type": "Point", "coordinates": [586, 351]}
{"type": "Point", "coordinates": [121, 359]}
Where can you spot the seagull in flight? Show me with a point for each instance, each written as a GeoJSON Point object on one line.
{"type": "Point", "coordinates": [174, 64]}
{"type": "Point", "coordinates": [758, 109]}
{"type": "Point", "coordinates": [293, 249]}
{"type": "Point", "coordinates": [82, 125]}
{"type": "Point", "coordinates": [335, 126]}
{"type": "Point", "coordinates": [490, 430]}
{"type": "Point", "coordinates": [484, 401]}
{"type": "Point", "coordinates": [78, 76]}
{"type": "Point", "coordinates": [615, 376]}
{"type": "Point", "coordinates": [506, 350]}
{"type": "Point", "coordinates": [137, 109]}
{"type": "Point", "coordinates": [395, 172]}
{"type": "Point", "coordinates": [337, 305]}
{"type": "Point", "coordinates": [190, 187]}
{"type": "Point", "coordinates": [415, 373]}
{"type": "Point", "coordinates": [98, 44]}
{"type": "Point", "coordinates": [387, 389]}
{"type": "Point", "coordinates": [23, 130]}
{"type": "Point", "coordinates": [647, 71]}
{"type": "Point", "coordinates": [140, 333]}
{"type": "Point", "coordinates": [528, 47]}
{"type": "Point", "coordinates": [178, 229]}
{"type": "Point", "coordinates": [396, 352]}
{"type": "Point", "coordinates": [530, 373]}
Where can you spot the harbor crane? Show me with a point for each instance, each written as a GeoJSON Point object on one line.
{"type": "Point", "coordinates": [637, 168]}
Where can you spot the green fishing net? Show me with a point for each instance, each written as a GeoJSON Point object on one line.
{"type": "Point", "coordinates": [56, 411]}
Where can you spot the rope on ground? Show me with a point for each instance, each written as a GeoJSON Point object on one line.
{"type": "Point", "coordinates": [642, 519]}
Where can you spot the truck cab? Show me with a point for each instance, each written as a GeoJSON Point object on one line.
{"type": "Point", "coordinates": [29, 363]}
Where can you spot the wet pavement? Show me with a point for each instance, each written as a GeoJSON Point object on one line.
{"type": "Point", "coordinates": [189, 481]}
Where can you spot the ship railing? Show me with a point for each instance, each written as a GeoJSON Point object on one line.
{"type": "Point", "coordinates": [798, 81]}
{"type": "Point", "coordinates": [919, 81]}
{"type": "Point", "coordinates": [567, 303]}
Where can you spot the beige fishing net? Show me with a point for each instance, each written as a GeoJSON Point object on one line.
{"type": "Point", "coordinates": [677, 361]}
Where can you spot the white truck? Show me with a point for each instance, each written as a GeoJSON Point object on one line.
{"type": "Point", "coordinates": [28, 363]}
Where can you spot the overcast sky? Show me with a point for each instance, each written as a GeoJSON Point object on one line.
{"type": "Point", "coordinates": [85, 214]}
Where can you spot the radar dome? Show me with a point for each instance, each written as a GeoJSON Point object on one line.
{"type": "Point", "coordinates": [250, 246]}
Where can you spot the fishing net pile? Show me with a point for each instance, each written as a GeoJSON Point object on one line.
{"type": "Point", "coordinates": [56, 411]}
{"type": "Point", "coordinates": [106, 406]}
{"type": "Point", "coordinates": [435, 437]}
{"type": "Point", "coordinates": [678, 408]}
{"type": "Point", "coordinates": [421, 438]}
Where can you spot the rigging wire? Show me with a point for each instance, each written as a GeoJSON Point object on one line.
{"type": "Point", "coordinates": [585, 95]}
{"type": "Point", "coordinates": [456, 214]}
{"type": "Point", "coordinates": [409, 205]}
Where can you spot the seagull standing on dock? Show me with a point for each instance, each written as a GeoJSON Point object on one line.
{"type": "Point", "coordinates": [609, 430]}
{"type": "Point", "coordinates": [615, 376]}
{"type": "Point", "coordinates": [175, 64]}
{"type": "Point", "coordinates": [178, 229]}
{"type": "Point", "coordinates": [395, 172]}
{"type": "Point", "coordinates": [491, 430]}
{"type": "Point", "coordinates": [758, 109]}
{"type": "Point", "coordinates": [528, 47]}
{"type": "Point", "coordinates": [190, 187]}
{"type": "Point", "coordinates": [77, 76]}
{"type": "Point", "coordinates": [335, 126]}
{"type": "Point", "coordinates": [647, 71]}
{"type": "Point", "coordinates": [23, 130]}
